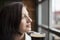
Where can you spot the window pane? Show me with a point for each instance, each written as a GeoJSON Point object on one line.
{"type": "Point", "coordinates": [54, 13]}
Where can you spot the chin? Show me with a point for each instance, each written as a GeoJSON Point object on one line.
{"type": "Point", "coordinates": [28, 30]}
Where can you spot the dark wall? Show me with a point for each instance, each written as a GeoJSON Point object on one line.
{"type": "Point", "coordinates": [2, 2]}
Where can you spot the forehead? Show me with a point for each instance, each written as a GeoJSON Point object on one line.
{"type": "Point", "coordinates": [24, 10]}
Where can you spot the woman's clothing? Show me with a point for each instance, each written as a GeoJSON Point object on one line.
{"type": "Point", "coordinates": [27, 37]}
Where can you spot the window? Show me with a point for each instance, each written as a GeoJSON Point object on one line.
{"type": "Point", "coordinates": [54, 13]}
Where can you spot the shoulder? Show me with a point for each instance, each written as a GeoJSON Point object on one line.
{"type": "Point", "coordinates": [27, 37]}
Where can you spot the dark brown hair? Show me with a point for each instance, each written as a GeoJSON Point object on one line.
{"type": "Point", "coordinates": [10, 18]}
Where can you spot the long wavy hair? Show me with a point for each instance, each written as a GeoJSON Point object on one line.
{"type": "Point", "coordinates": [10, 18]}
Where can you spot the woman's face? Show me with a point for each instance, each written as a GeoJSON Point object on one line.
{"type": "Point", "coordinates": [25, 24]}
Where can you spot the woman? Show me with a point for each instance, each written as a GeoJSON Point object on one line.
{"type": "Point", "coordinates": [14, 22]}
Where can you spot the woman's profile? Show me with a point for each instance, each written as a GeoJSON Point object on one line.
{"type": "Point", "coordinates": [14, 22]}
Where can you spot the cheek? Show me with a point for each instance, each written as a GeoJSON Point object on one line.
{"type": "Point", "coordinates": [23, 24]}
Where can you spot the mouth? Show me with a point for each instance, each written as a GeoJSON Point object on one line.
{"type": "Point", "coordinates": [28, 27]}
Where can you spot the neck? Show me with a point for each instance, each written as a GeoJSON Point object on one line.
{"type": "Point", "coordinates": [20, 37]}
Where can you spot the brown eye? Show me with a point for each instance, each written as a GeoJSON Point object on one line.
{"type": "Point", "coordinates": [24, 16]}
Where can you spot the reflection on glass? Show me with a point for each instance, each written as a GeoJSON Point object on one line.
{"type": "Point", "coordinates": [55, 37]}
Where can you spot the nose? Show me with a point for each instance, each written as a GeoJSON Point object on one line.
{"type": "Point", "coordinates": [29, 19]}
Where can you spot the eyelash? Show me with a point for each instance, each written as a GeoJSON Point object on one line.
{"type": "Point", "coordinates": [24, 16]}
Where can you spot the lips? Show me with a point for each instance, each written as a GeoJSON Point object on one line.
{"type": "Point", "coordinates": [28, 25]}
